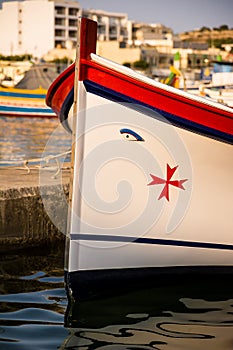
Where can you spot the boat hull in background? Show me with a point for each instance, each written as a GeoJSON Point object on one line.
{"type": "Point", "coordinates": [24, 103]}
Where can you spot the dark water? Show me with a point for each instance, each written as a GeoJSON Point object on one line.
{"type": "Point", "coordinates": [32, 300]}
{"type": "Point", "coordinates": [35, 312]}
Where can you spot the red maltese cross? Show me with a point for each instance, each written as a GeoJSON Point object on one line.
{"type": "Point", "coordinates": [176, 183]}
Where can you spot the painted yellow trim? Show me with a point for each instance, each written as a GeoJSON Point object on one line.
{"type": "Point", "coordinates": [40, 90]}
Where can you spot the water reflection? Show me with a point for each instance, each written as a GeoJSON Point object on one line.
{"type": "Point", "coordinates": [32, 300]}
{"type": "Point", "coordinates": [186, 316]}
{"type": "Point", "coordinates": [193, 314]}
{"type": "Point", "coordinates": [25, 138]}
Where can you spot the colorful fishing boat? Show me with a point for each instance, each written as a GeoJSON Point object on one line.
{"type": "Point", "coordinates": [24, 103]}
{"type": "Point", "coordinates": [220, 89]}
{"type": "Point", "coordinates": [221, 94]}
{"type": "Point", "coordinates": [151, 175]}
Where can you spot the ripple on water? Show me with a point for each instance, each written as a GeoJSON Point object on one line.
{"type": "Point", "coordinates": [35, 314]}
{"type": "Point", "coordinates": [26, 138]}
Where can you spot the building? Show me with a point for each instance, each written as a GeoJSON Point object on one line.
{"type": "Point", "coordinates": [154, 34]}
{"type": "Point", "coordinates": [111, 26]}
{"type": "Point", "coordinates": [48, 29]}
{"type": "Point", "coordinates": [114, 52]}
{"type": "Point", "coordinates": [37, 26]}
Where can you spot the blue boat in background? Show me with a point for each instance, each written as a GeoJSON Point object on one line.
{"type": "Point", "coordinates": [220, 88]}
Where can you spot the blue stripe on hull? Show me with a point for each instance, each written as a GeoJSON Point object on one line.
{"type": "Point", "coordinates": [155, 112]}
{"type": "Point", "coordinates": [23, 94]}
{"type": "Point", "coordinates": [66, 106]}
{"type": "Point", "coordinates": [156, 241]}
{"type": "Point", "coordinates": [14, 109]}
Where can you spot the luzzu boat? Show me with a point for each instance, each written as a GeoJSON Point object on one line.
{"type": "Point", "coordinates": [24, 103]}
{"type": "Point", "coordinates": [221, 94]}
{"type": "Point", "coordinates": [151, 175]}
{"type": "Point", "coordinates": [221, 87]}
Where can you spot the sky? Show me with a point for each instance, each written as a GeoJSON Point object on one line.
{"type": "Point", "coordinates": [180, 15]}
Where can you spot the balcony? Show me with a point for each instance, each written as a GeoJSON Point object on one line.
{"type": "Point", "coordinates": [60, 33]}
{"type": "Point", "coordinates": [60, 22]}
{"type": "Point", "coordinates": [72, 33]}
{"type": "Point", "coordinates": [73, 23]}
{"type": "Point", "coordinates": [73, 12]}
{"type": "Point", "coordinates": [60, 10]}
{"type": "Point", "coordinates": [60, 44]}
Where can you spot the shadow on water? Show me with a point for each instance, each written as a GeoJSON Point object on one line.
{"type": "Point", "coordinates": [192, 314]}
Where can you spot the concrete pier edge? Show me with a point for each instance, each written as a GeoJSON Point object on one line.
{"type": "Point", "coordinates": [24, 222]}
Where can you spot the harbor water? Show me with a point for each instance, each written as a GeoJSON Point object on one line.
{"type": "Point", "coordinates": [24, 139]}
{"type": "Point", "coordinates": [35, 313]}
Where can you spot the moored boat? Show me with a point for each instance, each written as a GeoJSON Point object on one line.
{"type": "Point", "coordinates": [220, 89]}
{"type": "Point", "coordinates": [151, 183]}
{"type": "Point", "coordinates": [220, 94]}
{"type": "Point", "coordinates": [24, 102]}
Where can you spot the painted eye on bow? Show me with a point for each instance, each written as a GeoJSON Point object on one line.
{"type": "Point", "coordinates": [130, 135]}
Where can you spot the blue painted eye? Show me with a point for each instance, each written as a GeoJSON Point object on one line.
{"type": "Point", "coordinates": [130, 135]}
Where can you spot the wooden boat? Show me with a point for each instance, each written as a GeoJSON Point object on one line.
{"type": "Point", "coordinates": [221, 94]}
{"type": "Point", "coordinates": [220, 89]}
{"type": "Point", "coordinates": [151, 183]}
{"type": "Point", "coordinates": [24, 103]}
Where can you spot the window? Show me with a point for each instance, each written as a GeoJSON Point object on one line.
{"type": "Point", "coordinates": [73, 22]}
{"type": "Point", "coordinates": [59, 21]}
{"type": "Point", "coordinates": [73, 11]}
{"type": "Point", "coordinates": [59, 44]}
{"type": "Point", "coordinates": [59, 32]}
{"type": "Point", "coordinates": [60, 10]}
{"type": "Point", "coordinates": [72, 33]}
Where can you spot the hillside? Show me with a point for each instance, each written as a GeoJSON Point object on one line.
{"type": "Point", "coordinates": [214, 37]}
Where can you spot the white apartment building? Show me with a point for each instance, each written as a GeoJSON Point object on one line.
{"type": "Point", "coordinates": [111, 26]}
{"type": "Point", "coordinates": [37, 26]}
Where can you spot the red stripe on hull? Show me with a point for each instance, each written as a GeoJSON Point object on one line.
{"type": "Point", "coordinates": [173, 103]}
{"type": "Point", "coordinates": [189, 109]}
{"type": "Point", "coordinates": [28, 115]}
{"type": "Point", "coordinates": [60, 89]}
{"type": "Point", "coordinates": [62, 86]}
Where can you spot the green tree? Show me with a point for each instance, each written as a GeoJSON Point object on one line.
{"type": "Point", "coordinates": [127, 64]}
{"type": "Point", "coordinates": [219, 42]}
{"type": "Point", "coordinates": [224, 27]}
{"type": "Point", "coordinates": [204, 29]}
{"type": "Point", "coordinates": [63, 60]}
{"type": "Point", "coordinates": [25, 57]}
{"type": "Point", "coordinates": [141, 64]}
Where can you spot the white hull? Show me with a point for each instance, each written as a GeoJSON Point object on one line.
{"type": "Point", "coordinates": [224, 96]}
{"type": "Point", "coordinates": [151, 181]}
{"type": "Point", "coordinates": [199, 215]}
{"type": "Point", "coordinates": [138, 255]}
